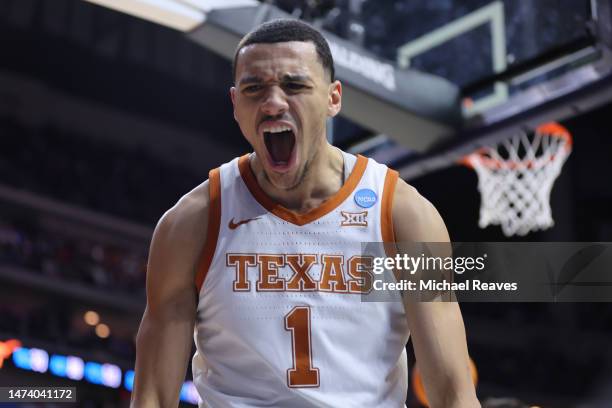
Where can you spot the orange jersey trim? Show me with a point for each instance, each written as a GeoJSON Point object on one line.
{"type": "Point", "coordinates": [301, 219]}
{"type": "Point", "coordinates": [214, 223]}
{"type": "Point", "coordinates": [386, 216]}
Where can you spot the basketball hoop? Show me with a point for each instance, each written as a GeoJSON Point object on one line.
{"type": "Point", "coordinates": [515, 178]}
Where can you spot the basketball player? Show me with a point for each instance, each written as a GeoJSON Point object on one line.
{"type": "Point", "coordinates": [263, 259]}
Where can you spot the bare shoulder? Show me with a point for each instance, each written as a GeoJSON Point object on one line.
{"type": "Point", "coordinates": [188, 218]}
{"type": "Point", "coordinates": [414, 217]}
{"type": "Point", "coordinates": [175, 249]}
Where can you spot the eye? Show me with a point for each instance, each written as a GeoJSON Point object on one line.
{"type": "Point", "coordinates": [251, 88]}
{"type": "Point", "coordinates": [294, 86]}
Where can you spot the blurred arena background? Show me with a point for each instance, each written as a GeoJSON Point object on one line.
{"type": "Point", "coordinates": [109, 112]}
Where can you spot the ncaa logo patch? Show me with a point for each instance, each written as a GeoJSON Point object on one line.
{"type": "Point", "coordinates": [365, 198]}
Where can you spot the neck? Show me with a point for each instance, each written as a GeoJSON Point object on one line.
{"type": "Point", "coordinates": [322, 179]}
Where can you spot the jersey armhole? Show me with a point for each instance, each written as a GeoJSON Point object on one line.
{"type": "Point", "coordinates": [214, 223]}
{"type": "Point", "coordinates": [386, 216]}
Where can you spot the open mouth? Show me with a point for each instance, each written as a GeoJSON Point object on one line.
{"type": "Point", "coordinates": [280, 144]}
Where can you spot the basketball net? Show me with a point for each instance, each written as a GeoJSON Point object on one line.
{"type": "Point", "coordinates": [515, 178]}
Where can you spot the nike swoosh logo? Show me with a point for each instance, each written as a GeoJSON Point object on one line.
{"type": "Point", "coordinates": [233, 225]}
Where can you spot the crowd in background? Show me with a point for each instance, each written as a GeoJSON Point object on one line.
{"type": "Point", "coordinates": [71, 259]}
{"type": "Point", "coordinates": [79, 263]}
{"type": "Point", "coordinates": [126, 182]}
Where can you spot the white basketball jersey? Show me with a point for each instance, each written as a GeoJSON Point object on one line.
{"type": "Point", "coordinates": [281, 320]}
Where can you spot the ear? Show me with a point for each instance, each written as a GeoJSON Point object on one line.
{"type": "Point", "coordinates": [233, 98]}
{"type": "Point", "coordinates": [335, 99]}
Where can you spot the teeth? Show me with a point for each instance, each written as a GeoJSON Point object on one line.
{"type": "Point", "coordinates": [277, 129]}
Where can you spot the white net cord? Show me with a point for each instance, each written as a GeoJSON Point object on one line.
{"type": "Point", "coordinates": [515, 179]}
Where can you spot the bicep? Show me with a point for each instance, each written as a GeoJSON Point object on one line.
{"type": "Point", "coordinates": [170, 274]}
{"type": "Point", "coordinates": [163, 343]}
{"type": "Point", "coordinates": [175, 249]}
{"type": "Point", "coordinates": [414, 218]}
{"type": "Point", "coordinates": [164, 340]}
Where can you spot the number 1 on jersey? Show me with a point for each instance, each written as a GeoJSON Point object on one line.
{"type": "Point", "coordinates": [303, 374]}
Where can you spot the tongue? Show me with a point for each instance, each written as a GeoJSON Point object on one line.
{"type": "Point", "coordinates": [280, 146]}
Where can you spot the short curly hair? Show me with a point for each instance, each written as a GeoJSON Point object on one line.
{"type": "Point", "coordinates": [284, 30]}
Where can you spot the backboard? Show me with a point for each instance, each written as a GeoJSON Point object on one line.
{"type": "Point", "coordinates": [518, 64]}
{"type": "Point", "coordinates": [529, 42]}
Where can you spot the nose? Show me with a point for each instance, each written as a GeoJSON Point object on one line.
{"type": "Point", "coordinates": [275, 102]}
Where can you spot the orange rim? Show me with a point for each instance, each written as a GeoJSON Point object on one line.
{"type": "Point", "coordinates": [552, 129]}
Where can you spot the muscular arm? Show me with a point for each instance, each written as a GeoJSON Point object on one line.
{"type": "Point", "coordinates": [437, 330]}
{"type": "Point", "coordinates": [163, 344]}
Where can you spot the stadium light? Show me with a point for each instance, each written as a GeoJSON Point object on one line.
{"type": "Point", "coordinates": [170, 13]}
{"type": "Point", "coordinates": [209, 5]}
{"type": "Point", "coordinates": [182, 15]}
{"type": "Point", "coordinates": [102, 330]}
{"type": "Point", "coordinates": [74, 368]}
{"type": "Point", "coordinates": [7, 348]}
{"type": "Point", "coordinates": [91, 318]}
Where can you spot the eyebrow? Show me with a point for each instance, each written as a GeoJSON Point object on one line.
{"type": "Point", "coordinates": [296, 78]}
{"type": "Point", "coordinates": [250, 80]}
{"type": "Point", "coordinates": [286, 78]}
